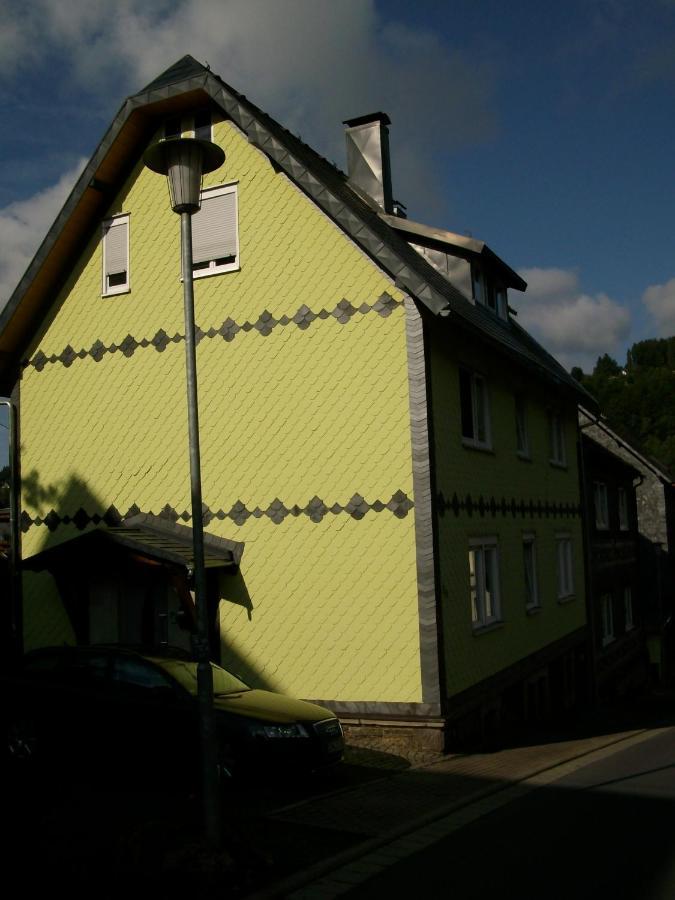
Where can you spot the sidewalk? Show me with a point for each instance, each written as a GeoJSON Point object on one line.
{"type": "Point", "coordinates": [395, 814]}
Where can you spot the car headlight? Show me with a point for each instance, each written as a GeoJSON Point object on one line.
{"type": "Point", "coordinates": [293, 730]}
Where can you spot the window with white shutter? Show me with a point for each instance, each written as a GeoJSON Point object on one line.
{"type": "Point", "coordinates": [215, 237]}
{"type": "Point", "coordinates": [116, 255]}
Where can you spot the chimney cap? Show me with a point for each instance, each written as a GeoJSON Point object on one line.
{"type": "Point", "coordinates": [381, 117]}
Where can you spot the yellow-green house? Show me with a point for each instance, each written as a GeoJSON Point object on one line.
{"type": "Point", "coordinates": [389, 463]}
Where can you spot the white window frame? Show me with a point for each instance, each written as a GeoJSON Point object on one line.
{"type": "Point", "coordinates": [532, 600]}
{"type": "Point", "coordinates": [628, 608]}
{"type": "Point", "coordinates": [478, 286]}
{"type": "Point", "coordinates": [483, 558]}
{"type": "Point", "coordinates": [624, 519]}
{"type": "Point", "coordinates": [522, 432]}
{"type": "Point", "coordinates": [106, 227]}
{"type": "Point", "coordinates": [502, 302]}
{"type": "Point", "coordinates": [556, 439]}
{"type": "Point", "coordinates": [233, 265]}
{"type": "Point", "coordinates": [600, 505]}
{"type": "Point", "coordinates": [607, 618]}
{"type": "Point", "coordinates": [477, 385]}
{"type": "Point", "coordinates": [564, 566]}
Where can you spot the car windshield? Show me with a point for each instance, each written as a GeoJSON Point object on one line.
{"type": "Point", "coordinates": [185, 672]}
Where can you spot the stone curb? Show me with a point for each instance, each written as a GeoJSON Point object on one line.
{"type": "Point", "coordinates": [300, 879]}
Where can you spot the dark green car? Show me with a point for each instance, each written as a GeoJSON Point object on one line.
{"type": "Point", "coordinates": [126, 714]}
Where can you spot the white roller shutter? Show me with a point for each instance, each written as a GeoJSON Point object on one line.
{"type": "Point", "coordinates": [214, 228]}
{"type": "Point", "coordinates": [116, 247]}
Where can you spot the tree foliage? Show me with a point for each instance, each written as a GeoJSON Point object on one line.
{"type": "Point", "coordinates": [640, 398]}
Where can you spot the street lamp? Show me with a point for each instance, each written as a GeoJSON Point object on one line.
{"type": "Point", "coordinates": [184, 161]}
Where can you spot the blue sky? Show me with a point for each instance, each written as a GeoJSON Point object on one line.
{"type": "Point", "coordinates": [544, 129]}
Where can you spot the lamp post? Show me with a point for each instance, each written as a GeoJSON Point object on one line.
{"type": "Point", "coordinates": [184, 161]}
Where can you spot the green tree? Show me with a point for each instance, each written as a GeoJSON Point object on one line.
{"type": "Point", "coordinates": [639, 401]}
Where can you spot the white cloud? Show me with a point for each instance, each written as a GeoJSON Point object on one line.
{"type": "Point", "coordinates": [23, 226]}
{"type": "Point", "coordinates": [310, 63]}
{"type": "Point", "coordinates": [574, 326]}
{"type": "Point", "coordinates": [660, 302]}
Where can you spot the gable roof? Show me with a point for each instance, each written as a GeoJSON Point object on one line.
{"type": "Point", "coordinates": [183, 86]}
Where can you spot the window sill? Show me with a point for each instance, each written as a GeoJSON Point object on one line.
{"type": "Point", "coordinates": [606, 641]}
{"type": "Point", "coordinates": [126, 290]}
{"type": "Point", "coordinates": [533, 610]}
{"type": "Point", "coordinates": [566, 599]}
{"type": "Point", "coordinates": [489, 626]}
{"type": "Point", "coordinates": [208, 273]}
{"type": "Point", "coordinates": [474, 445]}
{"type": "Point", "coordinates": [557, 464]}
{"type": "Point", "coordinates": [525, 457]}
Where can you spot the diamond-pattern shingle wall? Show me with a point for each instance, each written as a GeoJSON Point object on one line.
{"type": "Point", "coordinates": [304, 423]}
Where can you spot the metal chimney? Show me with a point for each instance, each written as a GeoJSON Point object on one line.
{"type": "Point", "coordinates": [368, 165]}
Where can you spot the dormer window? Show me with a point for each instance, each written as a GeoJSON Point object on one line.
{"type": "Point", "coordinates": [488, 293]}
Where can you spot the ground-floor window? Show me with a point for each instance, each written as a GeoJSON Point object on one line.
{"type": "Point", "coordinates": [628, 608]}
{"type": "Point", "coordinates": [484, 581]}
{"type": "Point", "coordinates": [565, 570]}
{"type": "Point", "coordinates": [607, 616]}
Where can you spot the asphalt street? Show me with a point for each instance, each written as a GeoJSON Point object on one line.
{"type": "Point", "coordinates": [608, 830]}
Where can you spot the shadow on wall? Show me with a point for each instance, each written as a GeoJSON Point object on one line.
{"type": "Point", "coordinates": [69, 509]}
{"type": "Point", "coordinates": [232, 589]}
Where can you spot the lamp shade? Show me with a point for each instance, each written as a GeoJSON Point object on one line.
{"type": "Point", "coordinates": [184, 161]}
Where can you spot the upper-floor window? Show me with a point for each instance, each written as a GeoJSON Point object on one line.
{"type": "Point", "coordinates": [556, 439]}
{"type": "Point", "coordinates": [488, 293]}
{"type": "Point", "coordinates": [600, 505]}
{"type": "Point", "coordinates": [484, 581]}
{"type": "Point", "coordinates": [474, 409]}
{"type": "Point", "coordinates": [607, 617]}
{"type": "Point", "coordinates": [116, 255]}
{"type": "Point", "coordinates": [623, 509]}
{"type": "Point", "coordinates": [530, 571]}
{"type": "Point", "coordinates": [564, 566]}
{"type": "Point", "coordinates": [522, 436]}
{"type": "Point", "coordinates": [215, 235]}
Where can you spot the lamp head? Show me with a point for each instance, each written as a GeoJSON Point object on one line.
{"type": "Point", "coordinates": [184, 161]}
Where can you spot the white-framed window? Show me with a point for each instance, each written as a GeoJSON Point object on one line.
{"type": "Point", "coordinates": [607, 618]}
{"type": "Point", "coordinates": [478, 283]}
{"type": "Point", "coordinates": [623, 509]}
{"type": "Point", "coordinates": [530, 571]}
{"type": "Point", "coordinates": [564, 566]}
{"type": "Point", "coordinates": [502, 303]}
{"type": "Point", "coordinates": [484, 581]}
{"type": "Point", "coordinates": [628, 608]}
{"type": "Point", "coordinates": [556, 438]}
{"type": "Point", "coordinates": [215, 232]}
{"type": "Point", "coordinates": [488, 294]}
{"type": "Point", "coordinates": [600, 505]}
{"type": "Point", "coordinates": [115, 236]}
{"type": "Point", "coordinates": [474, 409]}
{"type": "Point", "coordinates": [522, 436]}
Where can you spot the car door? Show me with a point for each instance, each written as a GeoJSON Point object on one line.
{"type": "Point", "coordinates": [151, 722]}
